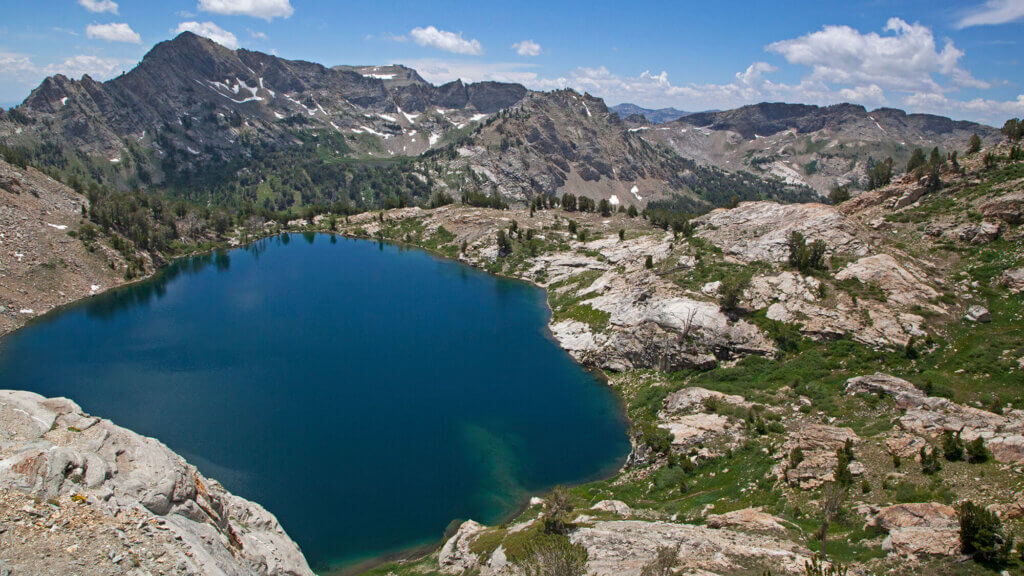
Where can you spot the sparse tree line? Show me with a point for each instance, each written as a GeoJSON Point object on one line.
{"type": "Point", "coordinates": [880, 174]}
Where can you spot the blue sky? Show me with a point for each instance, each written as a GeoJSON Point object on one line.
{"type": "Point", "coordinates": [960, 59]}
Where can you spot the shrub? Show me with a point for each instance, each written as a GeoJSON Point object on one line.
{"type": "Point", "coordinates": [930, 463]}
{"type": "Point", "coordinates": [665, 559]}
{"type": "Point", "coordinates": [731, 290]}
{"type": "Point", "coordinates": [817, 566]}
{"type": "Point", "coordinates": [554, 557]}
{"type": "Point", "coordinates": [796, 456]}
{"type": "Point", "coordinates": [981, 535]}
{"type": "Point", "coordinates": [803, 256]}
{"type": "Point", "coordinates": [842, 472]}
{"type": "Point", "coordinates": [558, 510]}
{"type": "Point", "coordinates": [657, 438]}
{"type": "Point", "coordinates": [880, 174]}
{"type": "Point", "coordinates": [952, 446]}
{"type": "Point", "coordinates": [439, 199]}
{"type": "Point", "coordinates": [977, 453]}
{"type": "Point", "coordinates": [839, 194]}
{"type": "Point", "coordinates": [649, 262]}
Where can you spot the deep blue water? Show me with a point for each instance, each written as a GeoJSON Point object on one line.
{"type": "Point", "coordinates": [365, 394]}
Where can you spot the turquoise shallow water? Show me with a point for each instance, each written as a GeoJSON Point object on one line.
{"type": "Point", "coordinates": [365, 394]}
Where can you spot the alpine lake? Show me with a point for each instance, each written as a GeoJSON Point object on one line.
{"type": "Point", "coordinates": [365, 394]}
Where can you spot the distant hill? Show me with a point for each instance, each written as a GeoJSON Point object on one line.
{"type": "Point", "coordinates": [817, 146]}
{"type": "Point", "coordinates": [658, 116]}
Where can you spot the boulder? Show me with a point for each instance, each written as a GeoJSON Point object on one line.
{"type": "Point", "coordinates": [455, 556]}
{"type": "Point", "coordinates": [693, 429]}
{"type": "Point", "coordinates": [694, 398]}
{"type": "Point", "coordinates": [613, 506]}
{"type": "Point", "coordinates": [1006, 447]}
{"type": "Point", "coordinates": [977, 313]}
{"type": "Point", "coordinates": [982, 233]}
{"type": "Point", "coordinates": [819, 443]}
{"type": "Point", "coordinates": [922, 541]}
{"type": "Point", "coordinates": [906, 394]}
{"type": "Point", "coordinates": [1013, 280]}
{"type": "Point", "coordinates": [748, 520]}
{"type": "Point", "coordinates": [919, 528]}
{"type": "Point", "coordinates": [902, 284]}
{"type": "Point", "coordinates": [904, 445]}
{"type": "Point", "coordinates": [795, 299]}
{"type": "Point", "coordinates": [50, 449]}
{"type": "Point", "coordinates": [811, 437]}
{"type": "Point", "coordinates": [919, 515]}
{"type": "Point", "coordinates": [623, 548]}
{"type": "Point", "coordinates": [1003, 434]}
{"type": "Point", "coordinates": [817, 469]}
{"type": "Point", "coordinates": [1009, 208]}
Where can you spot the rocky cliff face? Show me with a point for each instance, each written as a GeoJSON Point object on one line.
{"type": "Point", "coordinates": [93, 498]}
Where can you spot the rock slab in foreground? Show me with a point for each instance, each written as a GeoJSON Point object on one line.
{"type": "Point", "coordinates": [99, 499]}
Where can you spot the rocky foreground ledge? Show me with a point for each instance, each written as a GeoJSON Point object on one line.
{"type": "Point", "coordinates": [81, 495]}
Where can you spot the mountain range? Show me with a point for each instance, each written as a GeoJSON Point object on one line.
{"type": "Point", "coordinates": [242, 127]}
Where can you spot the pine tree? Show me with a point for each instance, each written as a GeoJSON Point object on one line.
{"type": "Point", "coordinates": [569, 202]}
{"type": "Point", "coordinates": [974, 145]}
{"type": "Point", "coordinates": [1013, 129]}
{"type": "Point", "coordinates": [917, 160]}
{"type": "Point", "coordinates": [504, 244]}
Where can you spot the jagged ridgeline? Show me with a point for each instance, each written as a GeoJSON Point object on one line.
{"type": "Point", "coordinates": [249, 131]}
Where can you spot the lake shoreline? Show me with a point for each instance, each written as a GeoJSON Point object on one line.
{"type": "Point", "coordinates": [423, 550]}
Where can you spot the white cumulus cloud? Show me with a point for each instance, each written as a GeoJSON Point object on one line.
{"type": "Point", "coordinates": [993, 112]}
{"type": "Point", "coordinates": [527, 48]}
{"type": "Point", "coordinates": [993, 12]}
{"type": "Point", "coordinates": [906, 60]}
{"type": "Point", "coordinates": [97, 67]}
{"type": "Point", "coordinates": [99, 5]}
{"type": "Point", "coordinates": [265, 9]}
{"type": "Point", "coordinates": [211, 31]}
{"type": "Point", "coordinates": [447, 41]}
{"type": "Point", "coordinates": [114, 32]}
{"type": "Point", "coordinates": [13, 63]}
{"type": "Point", "coordinates": [441, 71]}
